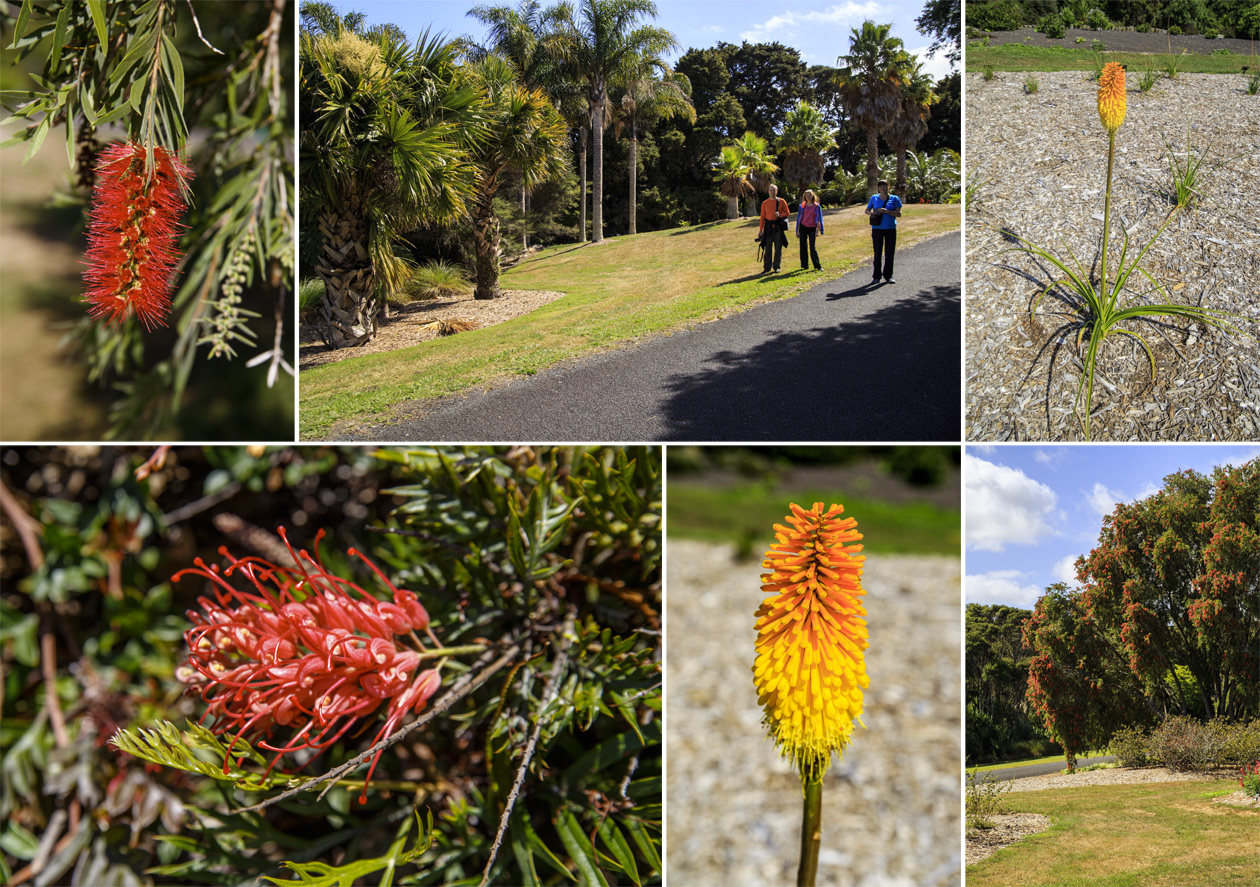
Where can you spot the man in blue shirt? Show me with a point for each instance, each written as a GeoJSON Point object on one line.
{"type": "Point", "coordinates": [884, 212]}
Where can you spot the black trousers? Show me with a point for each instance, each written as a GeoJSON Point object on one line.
{"type": "Point", "coordinates": [773, 244]}
{"type": "Point", "coordinates": [884, 241]}
{"type": "Point", "coordinates": [807, 234]}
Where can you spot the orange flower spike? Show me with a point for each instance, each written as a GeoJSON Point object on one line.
{"type": "Point", "coordinates": [1111, 102]}
{"type": "Point", "coordinates": [810, 669]}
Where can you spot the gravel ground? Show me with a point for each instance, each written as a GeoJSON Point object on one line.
{"type": "Point", "coordinates": [891, 806]}
{"type": "Point", "coordinates": [1043, 160]}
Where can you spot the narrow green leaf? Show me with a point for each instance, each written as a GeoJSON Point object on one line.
{"type": "Point", "coordinates": [59, 37]}
{"type": "Point", "coordinates": [176, 67]}
{"type": "Point", "coordinates": [137, 94]}
{"type": "Point", "coordinates": [38, 139]}
{"type": "Point", "coordinates": [579, 847]}
{"type": "Point", "coordinates": [616, 842]}
{"type": "Point", "coordinates": [543, 851]}
{"type": "Point", "coordinates": [22, 18]}
{"type": "Point", "coordinates": [647, 846]}
{"type": "Point", "coordinates": [524, 855]}
{"type": "Point", "coordinates": [70, 139]}
{"type": "Point", "coordinates": [97, 8]}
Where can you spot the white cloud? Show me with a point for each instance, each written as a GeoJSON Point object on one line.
{"type": "Point", "coordinates": [783, 27]}
{"type": "Point", "coordinates": [987, 449]}
{"type": "Point", "coordinates": [713, 29]}
{"type": "Point", "coordinates": [1102, 501]}
{"type": "Point", "coordinates": [938, 67]}
{"type": "Point", "coordinates": [1050, 458]}
{"type": "Point", "coordinates": [1064, 570]}
{"type": "Point", "coordinates": [1002, 587]}
{"type": "Point", "coordinates": [1004, 506]}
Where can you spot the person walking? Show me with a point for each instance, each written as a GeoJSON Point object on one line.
{"type": "Point", "coordinates": [884, 211]}
{"type": "Point", "coordinates": [774, 213]}
{"type": "Point", "coordinates": [809, 224]}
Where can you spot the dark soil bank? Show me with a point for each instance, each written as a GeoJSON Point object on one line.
{"type": "Point", "coordinates": [1125, 41]}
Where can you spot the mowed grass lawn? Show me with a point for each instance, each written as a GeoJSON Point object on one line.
{"type": "Point", "coordinates": [615, 292]}
{"type": "Point", "coordinates": [1163, 834]}
{"type": "Point", "coordinates": [1018, 57]}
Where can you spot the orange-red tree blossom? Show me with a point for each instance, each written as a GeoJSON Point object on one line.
{"type": "Point", "coordinates": [134, 234]}
{"type": "Point", "coordinates": [305, 650]}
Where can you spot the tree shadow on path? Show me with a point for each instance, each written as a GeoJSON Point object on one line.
{"type": "Point", "coordinates": [888, 375]}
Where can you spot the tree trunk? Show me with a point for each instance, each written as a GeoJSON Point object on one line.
{"type": "Point", "coordinates": [732, 207]}
{"type": "Point", "coordinates": [524, 222]}
{"type": "Point", "coordinates": [872, 161]}
{"type": "Point", "coordinates": [350, 308]}
{"type": "Point", "coordinates": [634, 172]}
{"type": "Point", "coordinates": [582, 165]}
{"type": "Point", "coordinates": [900, 189]}
{"type": "Point", "coordinates": [597, 176]}
{"type": "Point", "coordinates": [486, 248]}
{"type": "Point", "coordinates": [754, 206]}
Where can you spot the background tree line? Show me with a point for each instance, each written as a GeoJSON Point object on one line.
{"type": "Point", "coordinates": [1228, 18]}
{"type": "Point", "coordinates": [1164, 621]}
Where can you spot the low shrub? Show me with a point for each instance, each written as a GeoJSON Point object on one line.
{"type": "Point", "coordinates": [1237, 742]}
{"type": "Point", "coordinates": [1080, 39]}
{"type": "Point", "coordinates": [1250, 781]}
{"type": "Point", "coordinates": [1129, 747]}
{"type": "Point", "coordinates": [1002, 15]}
{"type": "Point", "coordinates": [1175, 31]}
{"type": "Point", "coordinates": [984, 800]}
{"type": "Point", "coordinates": [436, 280]}
{"type": "Point", "coordinates": [1030, 84]}
{"type": "Point", "coordinates": [1183, 744]}
{"type": "Point", "coordinates": [1143, 28]}
{"type": "Point", "coordinates": [1253, 83]}
{"type": "Point", "coordinates": [310, 294]}
{"type": "Point", "coordinates": [1098, 46]}
{"type": "Point", "coordinates": [1053, 27]}
{"type": "Point", "coordinates": [988, 72]}
{"type": "Point", "coordinates": [1148, 78]}
{"type": "Point", "coordinates": [1098, 20]}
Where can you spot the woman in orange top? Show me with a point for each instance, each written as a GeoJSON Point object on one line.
{"type": "Point", "coordinates": [774, 210]}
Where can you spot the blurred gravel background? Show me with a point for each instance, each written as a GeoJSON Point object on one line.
{"type": "Point", "coordinates": [891, 807]}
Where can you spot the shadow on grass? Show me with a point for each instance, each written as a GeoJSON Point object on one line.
{"type": "Point", "coordinates": [704, 226]}
{"type": "Point", "coordinates": [877, 377]}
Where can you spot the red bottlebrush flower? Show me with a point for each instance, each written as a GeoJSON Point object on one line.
{"type": "Point", "coordinates": [303, 649]}
{"type": "Point", "coordinates": [134, 232]}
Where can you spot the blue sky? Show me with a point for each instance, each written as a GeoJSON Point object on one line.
{"type": "Point", "coordinates": [817, 29]}
{"type": "Point", "coordinates": [1030, 511]}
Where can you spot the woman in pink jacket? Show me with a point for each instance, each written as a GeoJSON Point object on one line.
{"type": "Point", "coordinates": [809, 223]}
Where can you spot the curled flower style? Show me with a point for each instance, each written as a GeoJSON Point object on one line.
{"type": "Point", "coordinates": [133, 234]}
{"type": "Point", "coordinates": [305, 650]}
{"type": "Point", "coordinates": [810, 669]}
{"type": "Point", "coordinates": [1111, 102]}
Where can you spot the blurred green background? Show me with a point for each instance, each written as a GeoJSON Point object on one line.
{"type": "Point", "coordinates": [906, 498]}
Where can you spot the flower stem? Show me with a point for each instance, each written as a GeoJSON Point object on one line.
{"type": "Point", "coordinates": [1111, 154]}
{"type": "Point", "coordinates": [811, 830]}
{"type": "Point", "coordinates": [452, 651]}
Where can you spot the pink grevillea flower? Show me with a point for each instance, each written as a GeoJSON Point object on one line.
{"type": "Point", "coordinates": [304, 650]}
{"type": "Point", "coordinates": [134, 233]}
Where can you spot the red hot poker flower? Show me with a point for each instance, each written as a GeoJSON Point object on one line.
{"type": "Point", "coordinates": [134, 233]}
{"type": "Point", "coordinates": [301, 651]}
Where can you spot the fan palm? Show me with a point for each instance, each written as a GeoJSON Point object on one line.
{"type": "Point", "coordinates": [600, 45]}
{"type": "Point", "coordinates": [754, 151]}
{"type": "Point", "coordinates": [805, 136]}
{"type": "Point", "coordinates": [525, 36]}
{"type": "Point", "coordinates": [648, 98]}
{"type": "Point", "coordinates": [731, 174]}
{"type": "Point", "coordinates": [522, 130]}
{"type": "Point", "coordinates": [385, 133]}
{"type": "Point", "coordinates": [904, 133]}
{"type": "Point", "coordinates": [869, 82]}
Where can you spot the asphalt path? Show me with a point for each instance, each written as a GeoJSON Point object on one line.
{"type": "Point", "coordinates": [1042, 769]}
{"type": "Point", "coordinates": [843, 361]}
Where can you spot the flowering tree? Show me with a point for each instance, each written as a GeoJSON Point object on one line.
{"type": "Point", "coordinates": [458, 683]}
{"type": "Point", "coordinates": [117, 78]}
{"type": "Point", "coordinates": [1167, 618]}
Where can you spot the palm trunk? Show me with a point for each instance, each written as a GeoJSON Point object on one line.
{"type": "Point", "coordinates": [486, 248]}
{"type": "Point", "coordinates": [754, 208]}
{"type": "Point", "coordinates": [732, 207]}
{"type": "Point", "coordinates": [900, 189]}
{"type": "Point", "coordinates": [634, 172]}
{"type": "Point", "coordinates": [350, 308]}
{"type": "Point", "coordinates": [872, 161]}
{"type": "Point", "coordinates": [597, 176]}
{"type": "Point", "coordinates": [524, 222]}
{"type": "Point", "coordinates": [582, 166]}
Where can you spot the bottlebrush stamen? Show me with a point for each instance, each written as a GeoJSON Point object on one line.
{"type": "Point", "coordinates": [133, 235]}
{"type": "Point", "coordinates": [810, 669]}
{"type": "Point", "coordinates": [302, 649]}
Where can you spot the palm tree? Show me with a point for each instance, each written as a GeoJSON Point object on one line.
{"type": "Point", "coordinates": [869, 82]}
{"type": "Point", "coordinates": [917, 98]}
{"type": "Point", "coordinates": [604, 46]}
{"type": "Point", "coordinates": [522, 130]}
{"type": "Point", "coordinates": [754, 154]}
{"type": "Point", "coordinates": [731, 174]}
{"type": "Point", "coordinates": [647, 98]}
{"type": "Point", "coordinates": [525, 36]}
{"type": "Point", "coordinates": [384, 140]}
{"type": "Point", "coordinates": [805, 136]}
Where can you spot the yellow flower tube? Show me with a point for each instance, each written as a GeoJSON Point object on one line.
{"type": "Point", "coordinates": [1111, 102]}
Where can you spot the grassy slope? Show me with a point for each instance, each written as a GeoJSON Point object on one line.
{"type": "Point", "coordinates": [1156, 835]}
{"type": "Point", "coordinates": [624, 288]}
{"type": "Point", "coordinates": [743, 515]}
{"type": "Point", "coordinates": [1079, 57]}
